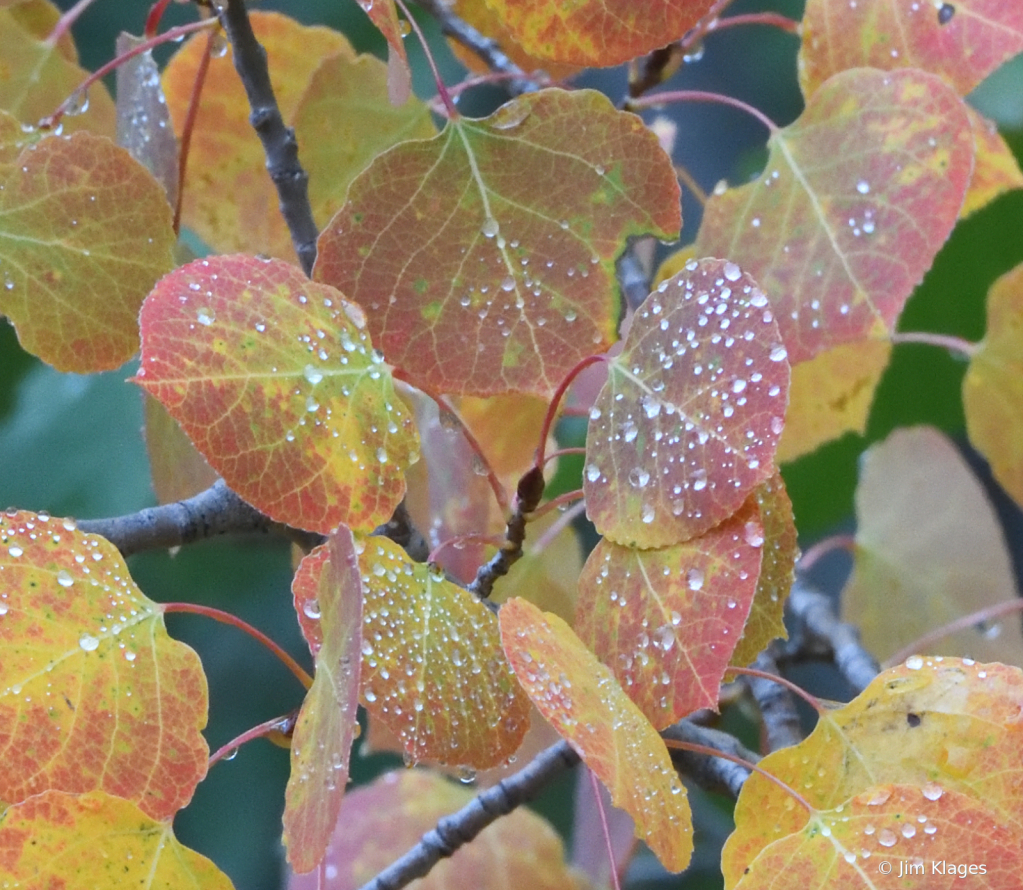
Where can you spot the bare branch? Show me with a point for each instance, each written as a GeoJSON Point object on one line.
{"type": "Point", "coordinates": [710, 773]}
{"type": "Point", "coordinates": [279, 143]}
{"type": "Point", "coordinates": [777, 705]}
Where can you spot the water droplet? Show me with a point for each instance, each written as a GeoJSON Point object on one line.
{"type": "Point", "coordinates": [863, 187]}
{"type": "Point", "coordinates": [230, 755]}
{"type": "Point", "coordinates": [312, 374]}
{"type": "Point", "coordinates": [647, 514]}
{"type": "Point", "coordinates": [508, 284]}
{"type": "Point", "coordinates": [490, 227]}
{"type": "Point", "coordinates": [88, 642]}
{"type": "Point", "coordinates": [914, 662]}
{"type": "Point", "coordinates": [638, 478]}
{"type": "Point", "coordinates": [77, 103]}
{"type": "Point", "coordinates": [753, 534]}
{"type": "Point", "coordinates": [218, 46]}
{"type": "Point", "coordinates": [779, 353]}
{"type": "Point", "coordinates": [651, 406]}
{"type": "Point", "coordinates": [694, 577]}
{"type": "Point", "coordinates": [205, 317]}
{"type": "Point", "coordinates": [64, 578]}
{"type": "Point", "coordinates": [466, 775]}
{"type": "Point", "coordinates": [732, 272]}
{"type": "Point", "coordinates": [510, 115]}
{"type": "Point", "coordinates": [886, 838]}
{"type": "Point", "coordinates": [3, 608]}
{"type": "Point", "coordinates": [311, 609]}
{"type": "Point", "coordinates": [592, 472]}
{"type": "Point", "coordinates": [932, 791]}
{"type": "Point", "coordinates": [15, 551]}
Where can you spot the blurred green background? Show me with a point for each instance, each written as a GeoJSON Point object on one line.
{"type": "Point", "coordinates": [73, 445]}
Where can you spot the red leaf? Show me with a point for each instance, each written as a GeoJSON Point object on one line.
{"type": "Point", "coordinates": [857, 197]}
{"type": "Point", "coordinates": [275, 381]}
{"type": "Point", "coordinates": [485, 256]}
{"type": "Point", "coordinates": [687, 423]}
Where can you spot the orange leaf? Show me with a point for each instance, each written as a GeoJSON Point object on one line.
{"type": "Point", "coordinates": [86, 233]}
{"type": "Point", "coordinates": [485, 257]}
{"type": "Point", "coordinates": [996, 170]}
{"type": "Point", "coordinates": [432, 668]}
{"type": "Point", "coordinates": [686, 425]}
{"type": "Point", "coordinates": [583, 701]}
{"type": "Point", "coordinates": [276, 383]}
{"type": "Point", "coordinates": [856, 199]}
{"type": "Point", "coordinates": [666, 621]}
{"type": "Point", "coordinates": [328, 591]}
{"type": "Point", "coordinates": [96, 840]}
{"type": "Point", "coordinates": [95, 695]}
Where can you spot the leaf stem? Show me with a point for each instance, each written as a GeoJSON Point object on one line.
{"type": "Point", "coordinates": [956, 345]}
{"type": "Point", "coordinates": [966, 621]}
{"type": "Point", "coordinates": [564, 452]}
{"type": "Point", "coordinates": [825, 546]}
{"type": "Point", "coordinates": [552, 409]}
{"type": "Point", "coordinates": [771, 19]}
{"type": "Point", "coordinates": [781, 681]}
{"type": "Point", "coordinates": [652, 100]}
{"type": "Point", "coordinates": [277, 724]}
{"type": "Point", "coordinates": [189, 126]}
{"type": "Point", "coordinates": [154, 18]}
{"type": "Point", "coordinates": [560, 501]}
{"type": "Point", "coordinates": [604, 827]}
{"type": "Point", "coordinates": [227, 618]}
{"type": "Point", "coordinates": [442, 91]}
{"type": "Point", "coordinates": [557, 527]}
{"type": "Point", "coordinates": [66, 21]}
{"type": "Point", "coordinates": [686, 178]}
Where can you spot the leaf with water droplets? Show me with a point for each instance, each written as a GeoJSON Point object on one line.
{"type": "Point", "coordinates": [777, 572]}
{"type": "Point", "coordinates": [597, 33]}
{"type": "Point", "coordinates": [894, 836]}
{"type": "Point", "coordinates": [687, 423]}
{"type": "Point", "coordinates": [858, 195]}
{"type": "Point", "coordinates": [86, 232]}
{"type": "Point", "coordinates": [381, 821]}
{"type": "Point", "coordinates": [943, 725]}
{"type": "Point", "coordinates": [275, 381]}
{"type": "Point", "coordinates": [93, 693]}
{"type": "Point", "coordinates": [97, 840]}
{"type": "Point", "coordinates": [584, 702]}
{"type": "Point", "coordinates": [993, 386]}
{"type": "Point", "coordinates": [485, 257]}
{"type": "Point", "coordinates": [328, 594]}
{"type": "Point", "coordinates": [666, 621]}
{"type": "Point", "coordinates": [831, 395]}
{"type": "Point", "coordinates": [229, 200]}
{"type": "Point", "coordinates": [425, 641]}
{"type": "Point", "coordinates": [929, 550]}
{"type": "Point", "coordinates": [962, 40]}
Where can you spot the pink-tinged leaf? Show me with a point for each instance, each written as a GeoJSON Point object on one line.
{"type": "Point", "coordinates": [275, 381]}
{"type": "Point", "coordinates": [85, 232]}
{"type": "Point", "coordinates": [381, 821]}
{"type": "Point", "coordinates": [586, 705]}
{"type": "Point", "coordinates": [687, 423]}
{"type": "Point", "coordinates": [929, 550]}
{"type": "Point", "coordinates": [941, 724]}
{"type": "Point", "coordinates": [777, 572]}
{"type": "Point", "coordinates": [384, 14]}
{"type": "Point", "coordinates": [856, 199]}
{"type": "Point", "coordinates": [328, 592]}
{"type": "Point", "coordinates": [93, 693]}
{"type": "Point", "coordinates": [432, 668]}
{"type": "Point", "coordinates": [667, 621]}
{"type": "Point", "coordinates": [590, 851]}
{"type": "Point", "coordinates": [894, 836]}
{"type": "Point", "coordinates": [485, 256]}
{"type": "Point", "coordinates": [993, 386]}
{"type": "Point", "coordinates": [97, 840]}
{"type": "Point", "coordinates": [996, 170]}
{"type": "Point", "coordinates": [597, 33]}
{"type": "Point", "coordinates": [962, 41]}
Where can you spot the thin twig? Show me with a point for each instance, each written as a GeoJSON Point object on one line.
{"type": "Point", "coordinates": [782, 726]}
{"type": "Point", "coordinates": [279, 142]}
{"type": "Point", "coordinates": [710, 773]}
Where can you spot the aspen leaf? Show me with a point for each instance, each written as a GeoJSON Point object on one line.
{"type": "Point", "coordinates": [381, 821]}
{"type": "Point", "coordinates": [328, 593]}
{"type": "Point", "coordinates": [943, 725]}
{"type": "Point", "coordinates": [995, 171]}
{"type": "Point", "coordinates": [485, 257]}
{"type": "Point", "coordinates": [432, 668]}
{"type": "Point", "coordinates": [993, 386]}
{"type": "Point", "coordinates": [276, 383]}
{"type": "Point", "coordinates": [384, 14]}
{"type": "Point", "coordinates": [584, 702]}
{"type": "Point", "coordinates": [597, 33]}
{"type": "Point", "coordinates": [666, 621]}
{"type": "Point", "coordinates": [93, 693]}
{"type": "Point", "coordinates": [97, 840]}
{"type": "Point", "coordinates": [687, 423]}
{"type": "Point", "coordinates": [178, 471]}
{"type": "Point", "coordinates": [929, 549]}
{"type": "Point", "coordinates": [858, 195]}
{"type": "Point", "coordinates": [85, 232]}
{"type": "Point", "coordinates": [39, 17]}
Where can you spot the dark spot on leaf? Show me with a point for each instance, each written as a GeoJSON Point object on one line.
{"type": "Point", "coordinates": [945, 13]}
{"type": "Point", "coordinates": [913, 720]}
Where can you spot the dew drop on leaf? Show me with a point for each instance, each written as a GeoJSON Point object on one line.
{"type": "Point", "coordinates": [311, 608]}
{"type": "Point", "coordinates": [932, 791]}
{"type": "Point", "coordinates": [886, 838]}
{"type": "Point", "coordinates": [64, 578]}
{"type": "Point", "coordinates": [88, 643]}
{"type": "Point", "coordinates": [695, 579]}
{"type": "Point", "coordinates": [312, 374]}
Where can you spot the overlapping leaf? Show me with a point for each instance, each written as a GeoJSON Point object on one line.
{"type": "Point", "coordinates": [943, 725]}
{"type": "Point", "coordinates": [38, 77]}
{"type": "Point", "coordinates": [587, 706]}
{"type": "Point", "coordinates": [178, 471]}
{"type": "Point", "coordinates": [963, 41]}
{"type": "Point", "coordinates": [384, 14]}
{"type": "Point", "coordinates": [857, 197]}
{"type": "Point", "coordinates": [777, 572]}
{"type": "Point", "coordinates": [929, 549]}
{"type": "Point", "coordinates": [274, 379]}
{"type": "Point", "coordinates": [93, 693]}
{"type": "Point", "coordinates": [39, 17]}
{"type": "Point", "coordinates": [993, 386]}
{"type": "Point", "coordinates": [995, 170]}
{"type": "Point", "coordinates": [666, 621]}
{"type": "Point", "coordinates": [597, 33]}
{"type": "Point", "coordinates": [485, 257]}
{"type": "Point", "coordinates": [687, 423]}
{"type": "Point", "coordinates": [96, 840]}
{"type": "Point", "coordinates": [381, 821]}
{"type": "Point", "coordinates": [85, 231]}
{"type": "Point", "coordinates": [831, 395]}
{"type": "Point", "coordinates": [432, 668]}
{"type": "Point", "coordinates": [328, 592]}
